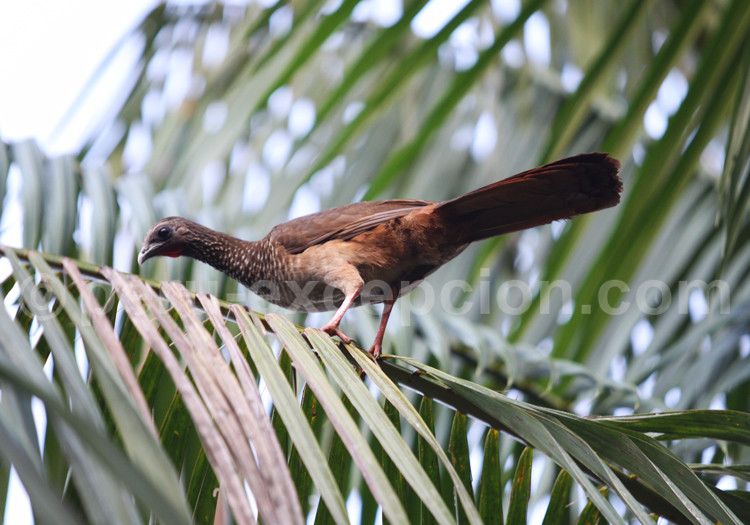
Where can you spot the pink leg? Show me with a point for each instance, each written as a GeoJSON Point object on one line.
{"type": "Point", "coordinates": [377, 345]}
{"type": "Point", "coordinates": [332, 327]}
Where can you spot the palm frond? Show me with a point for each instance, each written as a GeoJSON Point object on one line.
{"type": "Point", "coordinates": [241, 446]}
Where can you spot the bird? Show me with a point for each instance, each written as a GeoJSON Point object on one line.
{"type": "Point", "coordinates": [376, 251]}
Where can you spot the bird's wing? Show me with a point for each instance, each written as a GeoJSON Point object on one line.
{"type": "Point", "coordinates": [342, 222]}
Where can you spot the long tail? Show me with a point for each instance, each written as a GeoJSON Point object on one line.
{"type": "Point", "coordinates": [560, 190]}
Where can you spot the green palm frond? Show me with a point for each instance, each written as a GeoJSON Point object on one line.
{"type": "Point", "coordinates": [237, 435]}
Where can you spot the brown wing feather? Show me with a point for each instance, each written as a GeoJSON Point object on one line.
{"type": "Point", "coordinates": [342, 222]}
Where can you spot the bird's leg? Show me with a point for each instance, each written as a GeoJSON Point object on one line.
{"type": "Point", "coordinates": [332, 327]}
{"type": "Point", "coordinates": [377, 345]}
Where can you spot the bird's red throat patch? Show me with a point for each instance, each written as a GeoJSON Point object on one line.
{"type": "Point", "coordinates": [174, 251]}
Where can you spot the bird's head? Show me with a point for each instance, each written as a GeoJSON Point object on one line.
{"type": "Point", "coordinates": [168, 237]}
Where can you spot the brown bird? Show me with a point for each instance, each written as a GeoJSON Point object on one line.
{"type": "Point", "coordinates": [374, 252]}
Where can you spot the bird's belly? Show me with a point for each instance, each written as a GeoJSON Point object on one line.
{"type": "Point", "coordinates": [300, 296]}
{"type": "Point", "coordinates": [311, 293]}
{"type": "Point", "coordinates": [318, 297]}
{"type": "Point", "coordinates": [315, 280]}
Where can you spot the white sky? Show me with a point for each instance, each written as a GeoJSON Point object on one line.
{"type": "Point", "coordinates": [48, 51]}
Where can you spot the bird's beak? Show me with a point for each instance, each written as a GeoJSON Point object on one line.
{"type": "Point", "coordinates": [144, 254]}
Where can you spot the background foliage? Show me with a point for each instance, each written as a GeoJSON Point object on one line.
{"type": "Point", "coordinates": [241, 116]}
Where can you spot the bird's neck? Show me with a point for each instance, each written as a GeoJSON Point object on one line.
{"type": "Point", "coordinates": [241, 260]}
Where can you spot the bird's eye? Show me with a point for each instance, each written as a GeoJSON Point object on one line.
{"type": "Point", "coordinates": [163, 233]}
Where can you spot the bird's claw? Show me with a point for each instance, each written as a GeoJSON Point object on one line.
{"type": "Point", "coordinates": [375, 351]}
{"type": "Point", "coordinates": [334, 330]}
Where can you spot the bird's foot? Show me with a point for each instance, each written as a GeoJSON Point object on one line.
{"type": "Point", "coordinates": [334, 330]}
{"type": "Point", "coordinates": [375, 350]}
